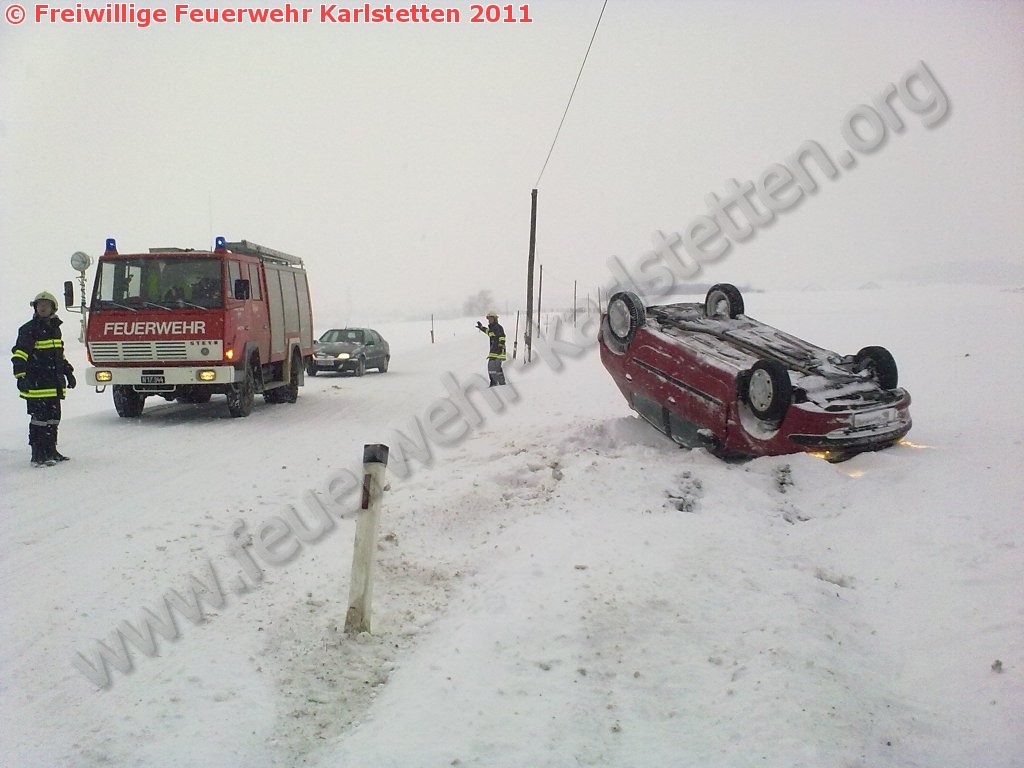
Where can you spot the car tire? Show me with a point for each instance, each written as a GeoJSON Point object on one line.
{"type": "Point", "coordinates": [882, 365]}
{"type": "Point", "coordinates": [383, 367]}
{"type": "Point", "coordinates": [311, 369]}
{"type": "Point", "coordinates": [625, 315]}
{"type": "Point", "coordinates": [768, 390]}
{"type": "Point", "coordinates": [127, 402]}
{"type": "Point", "coordinates": [360, 366]}
{"type": "Point", "coordinates": [723, 300]}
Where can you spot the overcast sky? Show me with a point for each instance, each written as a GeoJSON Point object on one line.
{"type": "Point", "coordinates": [398, 160]}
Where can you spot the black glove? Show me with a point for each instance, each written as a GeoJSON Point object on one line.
{"type": "Point", "coordinates": [480, 325]}
{"type": "Point", "coordinates": [71, 379]}
{"type": "Point", "coordinates": [22, 384]}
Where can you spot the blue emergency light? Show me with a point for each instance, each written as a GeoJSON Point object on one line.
{"type": "Point", "coordinates": [220, 243]}
{"type": "Point", "coordinates": [111, 246]}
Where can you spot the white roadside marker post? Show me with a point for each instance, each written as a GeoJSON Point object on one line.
{"type": "Point", "coordinates": [360, 591]}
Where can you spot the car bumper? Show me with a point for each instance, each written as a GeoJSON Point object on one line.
{"type": "Point", "coordinates": [865, 431]}
{"type": "Point", "coordinates": [333, 364]}
{"type": "Point", "coordinates": [161, 376]}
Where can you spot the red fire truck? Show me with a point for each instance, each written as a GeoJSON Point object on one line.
{"type": "Point", "coordinates": [184, 325]}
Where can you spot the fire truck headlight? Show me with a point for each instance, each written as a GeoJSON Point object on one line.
{"type": "Point", "coordinates": [104, 376]}
{"type": "Point", "coordinates": [206, 374]}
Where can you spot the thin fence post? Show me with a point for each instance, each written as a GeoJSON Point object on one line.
{"type": "Point", "coordinates": [364, 552]}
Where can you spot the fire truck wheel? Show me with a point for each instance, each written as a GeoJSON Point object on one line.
{"type": "Point", "coordinates": [127, 402]}
{"type": "Point", "coordinates": [290, 391]}
{"type": "Point", "coordinates": [242, 395]}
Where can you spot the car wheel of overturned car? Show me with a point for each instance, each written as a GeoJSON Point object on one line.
{"type": "Point", "coordinates": [242, 395]}
{"type": "Point", "coordinates": [768, 390]}
{"type": "Point", "coordinates": [880, 362]}
{"type": "Point", "coordinates": [723, 300]}
{"type": "Point", "coordinates": [127, 402]}
{"type": "Point", "coordinates": [626, 314]}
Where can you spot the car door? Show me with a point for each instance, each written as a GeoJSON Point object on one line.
{"type": "Point", "coordinates": [372, 349]}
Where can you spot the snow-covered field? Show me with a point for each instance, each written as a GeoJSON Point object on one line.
{"type": "Point", "coordinates": [557, 585]}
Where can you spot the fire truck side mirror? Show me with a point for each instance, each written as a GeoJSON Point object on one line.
{"type": "Point", "coordinates": [69, 294]}
{"type": "Point", "coordinates": [241, 289]}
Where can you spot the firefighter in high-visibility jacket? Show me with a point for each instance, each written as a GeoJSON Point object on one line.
{"type": "Point", "coordinates": [496, 354]}
{"type": "Point", "coordinates": [42, 373]}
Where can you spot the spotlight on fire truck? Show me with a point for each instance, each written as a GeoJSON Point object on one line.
{"type": "Point", "coordinates": [103, 376]}
{"type": "Point", "coordinates": [206, 375]}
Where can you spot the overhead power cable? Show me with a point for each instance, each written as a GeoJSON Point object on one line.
{"type": "Point", "coordinates": [569, 102]}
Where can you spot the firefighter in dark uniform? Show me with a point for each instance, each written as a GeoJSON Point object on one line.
{"type": "Point", "coordinates": [42, 374]}
{"type": "Point", "coordinates": [496, 354]}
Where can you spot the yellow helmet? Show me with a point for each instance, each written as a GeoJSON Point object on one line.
{"type": "Point", "coordinates": [44, 296]}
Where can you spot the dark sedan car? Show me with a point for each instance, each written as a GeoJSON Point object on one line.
{"type": "Point", "coordinates": [350, 349]}
{"type": "Point", "coordinates": [708, 376]}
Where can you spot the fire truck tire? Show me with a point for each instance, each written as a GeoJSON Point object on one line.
{"type": "Point", "coordinates": [127, 402]}
{"type": "Point", "coordinates": [289, 393]}
{"type": "Point", "coordinates": [242, 395]}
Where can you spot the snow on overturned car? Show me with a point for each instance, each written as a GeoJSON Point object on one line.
{"type": "Point", "coordinates": [707, 375]}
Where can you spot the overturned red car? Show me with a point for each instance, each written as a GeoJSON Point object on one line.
{"type": "Point", "coordinates": [707, 375]}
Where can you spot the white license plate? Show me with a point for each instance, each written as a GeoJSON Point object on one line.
{"type": "Point", "coordinates": [325, 363]}
{"type": "Point", "coordinates": [874, 418]}
{"type": "Point", "coordinates": [152, 379]}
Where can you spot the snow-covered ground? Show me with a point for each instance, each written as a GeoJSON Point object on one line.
{"type": "Point", "coordinates": [556, 583]}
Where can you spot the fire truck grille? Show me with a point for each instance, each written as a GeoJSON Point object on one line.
{"type": "Point", "coordinates": [143, 351]}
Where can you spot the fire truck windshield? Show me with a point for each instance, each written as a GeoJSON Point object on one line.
{"type": "Point", "coordinates": [160, 281]}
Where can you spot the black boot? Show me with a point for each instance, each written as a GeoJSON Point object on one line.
{"type": "Point", "coordinates": [38, 441]}
{"type": "Point", "coordinates": [51, 446]}
{"type": "Point", "coordinates": [38, 455]}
